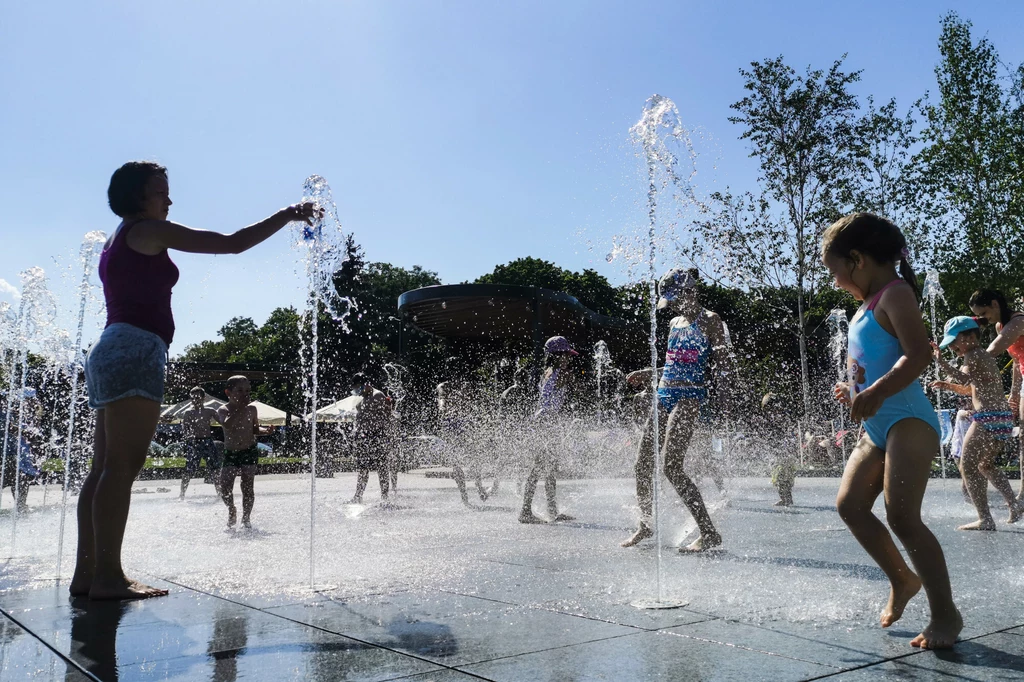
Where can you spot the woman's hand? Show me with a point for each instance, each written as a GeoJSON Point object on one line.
{"type": "Point", "coordinates": [865, 404]}
{"type": "Point", "coordinates": [1014, 402]}
{"type": "Point", "coordinates": [639, 378]}
{"type": "Point", "coordinates": [941, 385]}
{"type": "Point", "coordinates": [841, 392]}
{"type": "Point", "coordinates": [936, 351]}
{"type": "Point", "coordinates": [305, 212]}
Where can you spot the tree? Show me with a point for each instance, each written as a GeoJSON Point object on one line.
{"type": "Point", "coordinates": [803, 132]}
{"type": "Point", "coordinates": [588, 287]}
{"type": "Point", "coordinates": [968, 175]}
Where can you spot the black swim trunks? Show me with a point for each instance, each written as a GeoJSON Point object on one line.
{"type": "Point", "coordinates": [242, 458]}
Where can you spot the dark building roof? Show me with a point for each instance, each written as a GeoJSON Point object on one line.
{"type": "Point", "coordinates": [500, 311]}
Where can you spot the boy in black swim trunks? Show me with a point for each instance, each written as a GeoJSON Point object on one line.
{"type": "Point", "coordinates": [241, 455]}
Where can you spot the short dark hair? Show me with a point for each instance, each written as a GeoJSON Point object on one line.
{"type": "Point", "coordinates": [235, 380]}
{"type": "Point", "coordinates": [358, 379]}
{"type": "Point", "coordinates": [974, 332]}
{"type": "Point", "coordinates": [984, 297]}
{"type": "Point", "coordinates": [127, 187]}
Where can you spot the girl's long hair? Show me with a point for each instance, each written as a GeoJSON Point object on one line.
{"type": "Point", "coordinates": [984, 297]}
{"type": "Point", "coordinates": [874, 236]}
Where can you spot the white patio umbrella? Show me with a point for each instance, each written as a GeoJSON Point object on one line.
{"type": "Point", "coordinates": [342, 411]}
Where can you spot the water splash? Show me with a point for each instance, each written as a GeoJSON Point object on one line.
{"type": "Point", "coordinates": [931, 293]}
{"type": "Point", "coordinates": [602, 363]}
{"type": "Point", "coordinates": [658, 135]}
{"type": "Point", "coordinates": [92, 244]}
{"type": "Point", "coordinates": [325, 253]}
{"type": "Point", "coordinates": [837, 344]}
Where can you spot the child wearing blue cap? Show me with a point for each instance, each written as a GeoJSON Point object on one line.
{"type": "Point", "coordinates": [993, 423]}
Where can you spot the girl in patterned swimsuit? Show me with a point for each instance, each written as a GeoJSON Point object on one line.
{"type": "Point", "coordinates": [989, 307]}
{"type": "Point", "coordinates": [888, 351]}
{"type": "Point", "coordinates": [993, 423]}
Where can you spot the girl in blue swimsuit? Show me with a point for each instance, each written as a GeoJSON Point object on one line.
{"type": "Point", "coordinates": [888, 350]}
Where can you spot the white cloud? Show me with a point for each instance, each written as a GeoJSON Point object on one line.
{"type": "Point", "coordinates": [6, 288]}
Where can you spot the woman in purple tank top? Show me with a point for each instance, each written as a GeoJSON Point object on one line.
{"type": "Point", "coordinates": [125, 368]}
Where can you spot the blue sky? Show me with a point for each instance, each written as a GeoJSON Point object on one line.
{"type": "Point", "coordinates": [455, 135]}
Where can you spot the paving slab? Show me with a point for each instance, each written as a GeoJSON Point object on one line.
{"type": "Point", "coordinates": [997, 657]}
{"type": "Point", "coordinates": [415, 589]}
{"type": "Point", "coordinates": [451, 629]}
{"type": "Point", "coordinates": [649, 656]}
{"type": "Point", "coordinates": [23, 657]}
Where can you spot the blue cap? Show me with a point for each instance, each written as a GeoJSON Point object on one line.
{"type": "Point", "coordinates": [954, 326]}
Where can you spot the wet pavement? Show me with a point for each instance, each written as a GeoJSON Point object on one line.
{"type": "Point", "coordinates": [428, 590]}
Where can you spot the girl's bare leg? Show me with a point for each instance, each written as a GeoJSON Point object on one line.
{"type": "Point", "coordinates": [911, 446]}
{"type": "Point", "coordinates": [678, 433]}
{"type": "Point", "coordinates": [863, 481]}
{"type": "Point", "coordinates": [129, 425]}
{"type": "Point", "coordinates": [644, 472]}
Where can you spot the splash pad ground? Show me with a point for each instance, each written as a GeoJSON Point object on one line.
{"type": "Point", "coordinates": [429, 590]}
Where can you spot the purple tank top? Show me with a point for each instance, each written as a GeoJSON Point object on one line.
{"type": "Point", "coordinates": [137, 287]}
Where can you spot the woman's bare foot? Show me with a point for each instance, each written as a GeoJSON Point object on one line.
{"type": "Point", "coordinates": [979, 525]}
{"type": "Point", "coordinates": [124, 589]}
{"type": "Point", "coordinates": [940, 634]}
{"type": "Point", "coordinates": [529, 517]}
{"type": "Point", "coordinates": [702, 544]}
{"type": "Point", "coordinates": [899, 597]}
{"type": "Point", "coordinates": [641, 534]}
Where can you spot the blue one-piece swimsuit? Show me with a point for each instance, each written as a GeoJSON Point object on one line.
{"type": "Point", "coordinates": [872, 353]}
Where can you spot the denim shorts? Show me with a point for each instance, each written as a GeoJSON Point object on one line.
{"type": "Point", "coordinates": [124, 363]}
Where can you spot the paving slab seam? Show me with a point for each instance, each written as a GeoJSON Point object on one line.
{"type": "Point", "coordinates": [759, 651]}
{"type": "Point", "coordinates": [910, 654]}
{"type": "Point", "coordinates": [330, 632]}
{"type": "Point", "coordinates": [74, 664]}
{"type": "Point", "coordinates": [554, 648]}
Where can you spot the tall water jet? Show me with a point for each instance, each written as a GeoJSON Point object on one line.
{"type": "Point", "coordinates": [602, 363]}
{"type": "Point", "coordinates": [37, 311]}
{"type": "Point", "coordinates": [931, 293]}
{"type": "Point", "coordinates": [92, 244]}
{"type": "Point", "coordinates": [840, 326]}
{"type": "Point", "coordinates": [658, 134]}
{"type": "Point", "coordinates": [323, 242]}
{"type": "Point", "coordinates": [395, 383]}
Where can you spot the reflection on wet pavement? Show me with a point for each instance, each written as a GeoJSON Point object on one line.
{"type": "Point", "coordinates": [435, 593]}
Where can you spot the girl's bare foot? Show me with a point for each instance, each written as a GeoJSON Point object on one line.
{"type": "Point", "coordinates": [979, 525]}
{"type": "Point", "coordinates": [124, 589]}
{"type": "Point", "coordinates": [940, 634]}
{"type": "Point", "coordinates": [702, 544]}
{"type": "Point", "coordinates": [899, 597]}
{"type": "Point", "coordinates": [784, 503]}
{"type": "Point", "coordinates": [641, 534]}
{"type": "Point", "coordinates": [232, 517]}
{"type": "Point", "coordinates": [1016, 512]}
{"type": "Point", "coordinates": [556, 517]}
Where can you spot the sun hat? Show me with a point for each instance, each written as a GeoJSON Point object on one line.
{"type": "Point", "coordinates": [559, 344]}
{"type": "Point", "coordinates": [954, 326]}
{"type": "Point", "coordinates": [673, 283]}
